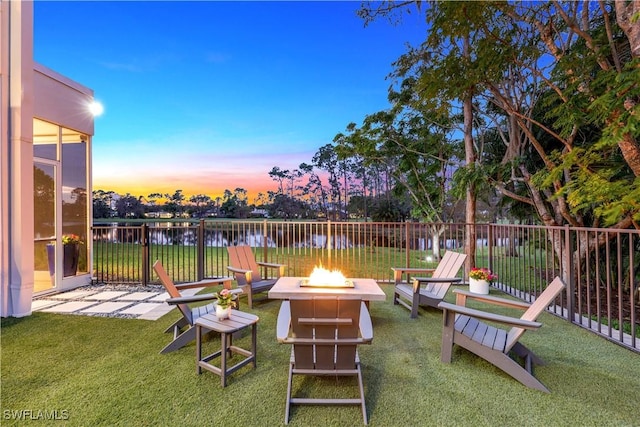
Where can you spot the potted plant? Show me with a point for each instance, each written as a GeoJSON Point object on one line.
{"type": "Point", "coordinates": [225, 302]}
{"type": "Point", "coordinates": [70, 255]}
{"type": "Point", "coordinates": [479, 279]}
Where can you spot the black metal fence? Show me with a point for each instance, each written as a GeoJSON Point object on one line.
{"type": "Point", "coordinates": [601, 267]}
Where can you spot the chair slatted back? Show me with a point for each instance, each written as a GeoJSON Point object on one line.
{"type": "Point", "coordinates": [172, 290]}
{"type": "Point", "coordinates": [541, 303]}
{"type": "Point", "coordinates": [325, 330]}
{"type": "Point", "coordinates": [242, 257]}
{"type": "Point", "coordinates": [449, 265]}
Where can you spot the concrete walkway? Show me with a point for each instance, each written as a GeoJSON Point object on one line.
{"type": "Point", "coordinates": [145, 305]}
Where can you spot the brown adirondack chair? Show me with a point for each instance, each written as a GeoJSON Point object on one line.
{"type": "Point", "coordinates": [247, 271]}
{"type": "Point", "coordinates": [325, 332]}
{"type": "Point", "coordinates": [412, 292]}
{"type": "Point", "coordinates": [463, 326]}
{"type": "Point", "coordinates": [183, 329]}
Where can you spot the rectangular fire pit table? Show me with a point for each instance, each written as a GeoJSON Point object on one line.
{"type": "Point", "coordinates": [237, 321]}
{"type": "Point", "coordinates": [288, 287]}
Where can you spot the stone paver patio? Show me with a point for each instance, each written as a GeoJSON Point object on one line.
{"type": "Point", "coordinates": [136, 304]}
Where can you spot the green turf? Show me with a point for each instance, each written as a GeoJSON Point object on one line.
{"type": "Point", "coordinates": [106, 371]}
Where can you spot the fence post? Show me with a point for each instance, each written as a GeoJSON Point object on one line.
{"type": "Point", "coordinates": [146, 261]}
{"type": "Point", "coordinates": [329, 244]}
{"type": "Point", "coordinates": [490, 246]}
{"type": "Point", "coordinates": [265, 244]}
{"type": "Point", "coordinates": [570, 274]}
{"type": "Point", "coordinates": [200, 251]}
{"type": "Point", "coordinates": [407, 251]}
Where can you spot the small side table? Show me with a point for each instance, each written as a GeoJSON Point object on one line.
{"type": "Point", "coordinates": [226, 327]}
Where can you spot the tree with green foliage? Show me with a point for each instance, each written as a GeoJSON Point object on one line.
{"type": "Point", "coordinates": [174, 203]}
{"type": "Point", "coordinates": [565, 79]}
{"type": "Point", "coordinates": [234, 204]}
{"type": "Point", "coordinates": [200, 205]}
{"type": "Point", "coordinates": [412, 143]}
{"type": "Point", "coordinates": [286, 207]}
{"type": "Point", "coordinates": [444, 78]}
{"type": "Point", "coordinates": [327, 160]}
{"type": "Point", "coordinates": [129, 206]}
{"type": "Point", "coordinates": [102, 201]}
{"type": "Point", "coordinates": [314, 190]}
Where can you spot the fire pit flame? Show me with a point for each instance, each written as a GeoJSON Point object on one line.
{"type": "Point", "coordinates": [321, 277]}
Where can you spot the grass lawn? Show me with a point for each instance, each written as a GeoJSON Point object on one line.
{"type": "Point", "coordinates": [107, 371]}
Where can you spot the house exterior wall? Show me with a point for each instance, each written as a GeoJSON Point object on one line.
{"type": "Point", "coordinates": [27, 90]}
{"type": "Point", "coordinates": [62, 101]}
{"type": "Point", "coordinates": [16, 175]}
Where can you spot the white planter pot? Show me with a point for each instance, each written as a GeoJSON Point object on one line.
{"type": "Point", "coordinates": [223, 313]}
{"type": "Point", "coordinates": [478, 286]}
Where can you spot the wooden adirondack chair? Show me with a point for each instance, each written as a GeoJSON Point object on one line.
{"type": "Point", "coordinates": [183, 329]}
{"type": "Point", "coordinates": [411, 293]}
{"type": "Point", "coordinates": [463, 326]}
{"type": "Point", "coordinates": [325, 332]}
{"type": "Point", "coordinates": [247, 271]}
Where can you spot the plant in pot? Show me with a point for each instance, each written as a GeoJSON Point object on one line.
{"type": "Point", "coordinates": [71, 254]}
{"type": "Point", "coordinates": [479, 279]}
{"type": "Point", "coordinates": [225, 302]}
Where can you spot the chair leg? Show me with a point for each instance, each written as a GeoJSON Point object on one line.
{"type": "Point", "coordinates": [177, 326]}
{"type": "Point", "coordinates": [448, 321]}
{"type": "Point", "coordinates": [415, 304]}
{"type": "Point", "coordinates": [525, 353]}
{"type": "Point", "coordinates": [181, 340]}
{"type": "Point", "coordinates": [501, 361]}
{"type": "Point", "coordinates": [288, 405]}
{"type": "Point", "coordinates": [250, 299]}
{"type": "Point", "coordinates": [514, 369]}
{"type": "Point", "coordinates": [362, 402]}
{"type": "Point", "coordinates": [198, 349]}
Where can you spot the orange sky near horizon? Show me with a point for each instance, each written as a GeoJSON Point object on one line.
{"type": "Point", "coordinates": [213, 188]}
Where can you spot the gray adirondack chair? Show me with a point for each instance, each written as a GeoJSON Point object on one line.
{"type": "Point", "coordinates": [464, 326]}
{"type": "Point", "coordinates": [411, 291]}
{"type": "Point", "coordinates": [324, 332]}
{"type": "Point", "coordinates": [246, 271]}
{"type": "Point", "coordinates": [183, 329]}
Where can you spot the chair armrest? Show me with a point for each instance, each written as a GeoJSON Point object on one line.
{"type": "Point", "coordinates": [438, 279]}
{"type": "Point", "coordinates": [491, 317]}
{"type": "Point", "coordinates": [248, 274]}
{"type": "Point", "coordinates": [366, 327]}
{"type": "Point", "coordinates": [399, 271]}
{"type": "Point", "coordinates": [189, 299]}
{"type": "Point", "coordinates": [238, 270]}
{"type": "Point", "coordinates": [462, 295]}
{"type": "Point", "coordinates": [413, 269]}
{"type": "Point", "coordinates": [199, 297]}
{"type": "Point", "coordinates": [284, 321]}
{"type": "Point", "coordinates": [225, 281]}
{"type": "Point", "coordinates": [280, 267]}
{"type": "Point", "coordinates": [419, 281]}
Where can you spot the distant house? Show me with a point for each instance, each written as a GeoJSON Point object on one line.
{"type": "Point", "coordinates": [259, 213]}
{"type": "Point", "coordinates": [46, 131]}
{"type": "Point", "coordinates": [159, 214]}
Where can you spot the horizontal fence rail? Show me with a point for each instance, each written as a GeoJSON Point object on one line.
{"type": "Point", "coordinates": [601, 267]}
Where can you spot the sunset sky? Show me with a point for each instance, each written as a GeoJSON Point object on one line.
{"type": "Point", "coordinates": [208, 96]}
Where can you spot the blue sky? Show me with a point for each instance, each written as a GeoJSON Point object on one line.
{"type": "Point", "coordinates": [208, 96]}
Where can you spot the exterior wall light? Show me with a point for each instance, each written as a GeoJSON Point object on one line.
{"type": "Point", "coordinates": [96, 108]}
